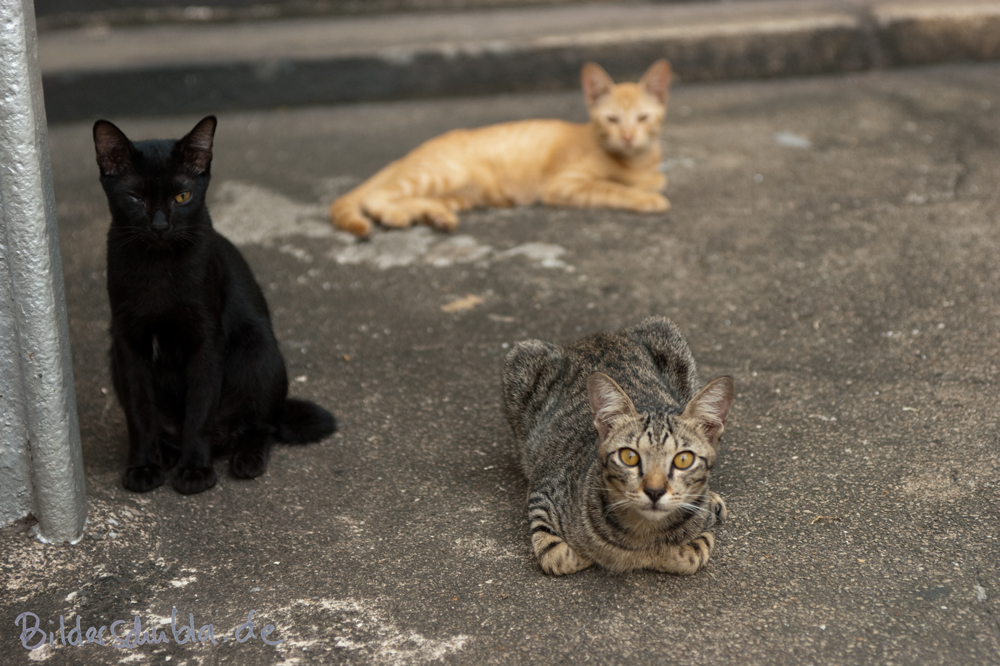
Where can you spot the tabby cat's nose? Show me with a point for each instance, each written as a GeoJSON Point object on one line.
{"type": "Point", "coordinates": [655, 493]}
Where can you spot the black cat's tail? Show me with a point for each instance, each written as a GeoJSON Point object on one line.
{"type": "Point", "coordinates": [303, 422]}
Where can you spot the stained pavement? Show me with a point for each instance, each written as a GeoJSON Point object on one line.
{"type": "Point", "coordinates": [832, 245]}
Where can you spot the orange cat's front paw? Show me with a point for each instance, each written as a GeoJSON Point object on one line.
{"type": "Point", "coordinates": [350, 221]}
{"type": "Point", "coordinates": [397, 218]}
{"type": "Point", "coordinates": [655, 183]}
{"type": "Point", "coordinates": [652, 203]}
{"type": "Point", "coordinates": [358, 226]}
{"type": "Point", "coordinates": [442, 220]}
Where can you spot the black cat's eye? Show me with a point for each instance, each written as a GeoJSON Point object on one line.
{"type": "Point", "coordinates": [182, 197]}
{"type": "Point", "coordinates": [628, 457]}
{"type": "Point", "coordinates": [683, 460]}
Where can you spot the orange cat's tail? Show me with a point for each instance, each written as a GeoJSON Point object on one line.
{"type": "Point", "coordinates": [346, 213]}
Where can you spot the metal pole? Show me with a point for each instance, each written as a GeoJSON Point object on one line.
{"type": "Point", "coordinates": [39, 423]}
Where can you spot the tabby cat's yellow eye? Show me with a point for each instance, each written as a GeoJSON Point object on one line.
{"type": "Point", "coordinates": [683, 460]}
{"type": "Point", "coordinates": [182, 197]}
{"type": "Point", "coordinates": [629, 457]}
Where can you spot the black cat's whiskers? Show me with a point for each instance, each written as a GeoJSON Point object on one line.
{"type": "Point", "coordinates": [185, 235]}
{"type": "Point", "coordinates": [182, 236]}
{"type": "Point", "coordinates": [128, 235]}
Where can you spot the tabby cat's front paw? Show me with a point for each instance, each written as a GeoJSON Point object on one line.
{"type": "Point", "coordinates": [718, 506]}
{"type": "Point", "coordinates": [563, 560]}
{"type": "Point", "coordinates": [689, 558]}
{"type": "Point", "coordinates": [190, 480]}
{"type": "Point", "coordinates": [143, 478]}
{"type": "Point", "coordinates": [555, 556]}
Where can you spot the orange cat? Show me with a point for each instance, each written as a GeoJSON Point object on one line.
{"type": "Point", "coordinates": [612, 161]}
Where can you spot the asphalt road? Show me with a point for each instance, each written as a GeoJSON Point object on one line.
{"type": "Point", "coordinates": [832, 245]}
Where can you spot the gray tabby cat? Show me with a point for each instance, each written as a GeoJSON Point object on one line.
{"type": "Point", "coordinates": [617, 449]}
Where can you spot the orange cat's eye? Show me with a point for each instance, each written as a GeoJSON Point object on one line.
{"type": "Point", "coordinates": [629, 457]}
{"type": "Point", "coordinates": [643, 117]}
{"type": "Point", "coordinates": [182, 197]}
{"type": "Point", "coordinates": [612, 119]}
{"type": "Point", "coordinates": [683, 460]}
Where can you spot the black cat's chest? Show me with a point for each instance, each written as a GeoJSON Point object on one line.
{"type": "Point", "coordinates": [165, 296]}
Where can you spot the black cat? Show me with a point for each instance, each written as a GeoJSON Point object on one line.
{"type": "Point", "coordinates": [194, 360]}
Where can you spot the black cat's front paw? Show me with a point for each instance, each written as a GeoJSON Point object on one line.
{"type": "Point", "coordinates": [143, 478]}
{"type": "Point", "coordinates": [248, 464]}
{"type": "Point", "coordinates": [191, 480]}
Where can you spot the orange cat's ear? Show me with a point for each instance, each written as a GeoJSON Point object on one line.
{"type": "Point", "coordinates": [656, 80]}
{"type": "Point", "coordinates": [596, 82]}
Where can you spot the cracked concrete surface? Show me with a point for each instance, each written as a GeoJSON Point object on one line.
{"type": "Point", "coordinates": [832, 245]}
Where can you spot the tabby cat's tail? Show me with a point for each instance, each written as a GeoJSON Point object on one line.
{"type": "Point", "coordinates": [346, 213]}
{"type": "Point", "coordinates": [304, 422]}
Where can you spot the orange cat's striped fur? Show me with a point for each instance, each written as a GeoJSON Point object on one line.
{"type": "Point", "coordinates": [612, 161]}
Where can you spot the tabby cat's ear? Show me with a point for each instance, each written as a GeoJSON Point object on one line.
{"type": "Point", "coordinates": [596, 82]}
{"type": "Point", "coordinates": [608, 402]}
{"type": "Point", "coordinates": [114, 150]}
{"type": "Point", "coordinates": [197, 145]}
{"type": "Point", "coordinates": [656, 80]}
{"type": "Point", "coordinates": [708, 410]}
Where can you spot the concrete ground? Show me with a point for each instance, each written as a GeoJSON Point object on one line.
{"type": "Point", "coordinates": [833, 246]}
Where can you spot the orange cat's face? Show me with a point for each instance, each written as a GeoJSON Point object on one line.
{"type": "Point", "coordinates": [628, 116]}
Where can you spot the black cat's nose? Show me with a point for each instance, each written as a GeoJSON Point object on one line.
{"type": "Point", "coordinates": [655, 493]}
{"type": "Point", "coordinates": [159, 224]}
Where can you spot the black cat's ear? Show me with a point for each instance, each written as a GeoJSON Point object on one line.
{"type": "Point", "coordinates": [114, 150]}
{"type": "Point", "coordinates": [708, 411]}
{"type": "Point", "coordinates": [596, 82]}
{"type": "Point", "coordinates": [608, 402]}
{"type": "Point", "coordinates": [656, 80]}
{"type": "Point", "coordinates": [197, 145]}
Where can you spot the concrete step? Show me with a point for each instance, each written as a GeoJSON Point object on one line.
{"type": "Point", "coordinates": [174, 69]}
{"type": "Point", "coordinates": [61, 14]}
